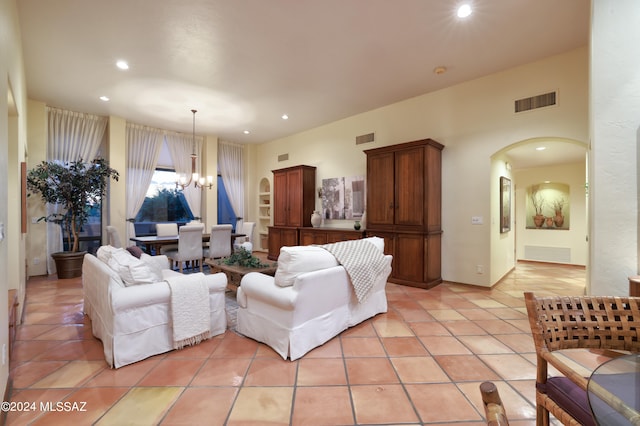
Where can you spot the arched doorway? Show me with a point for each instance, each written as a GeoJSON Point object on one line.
{"type": "Point", "coordinates": [531, 163]}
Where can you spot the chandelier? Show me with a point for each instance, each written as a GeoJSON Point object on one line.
{"type": "Point", "coordinates": [198, 181]}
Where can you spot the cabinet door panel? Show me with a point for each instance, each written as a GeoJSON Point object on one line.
{"type": "Point", "coordinates": [309, 236]}
{"type": "Point", "coordinates": [409, 257]}
{"type": "Point", "coordinates": [294, 202]}
{"type": "Point", "coordinates": [409, 200]}
{"type": "Point", "coordinates": [380, 200]}
{"type": "Point", "coordinates": [280, 198]}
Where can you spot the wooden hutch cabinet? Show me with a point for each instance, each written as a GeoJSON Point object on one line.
{"type": "Point", "coordinates": [404, 201]}
{"type": "Point", "coordinates": [294, 190]}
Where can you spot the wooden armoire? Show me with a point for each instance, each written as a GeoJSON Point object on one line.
{"type": "Point", "coordinates": [294, 190]}
{"type": "Point", "coordinates": [404, 202]}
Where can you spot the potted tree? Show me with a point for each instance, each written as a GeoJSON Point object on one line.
{"type": "Point", "coordinates": [74, 186]}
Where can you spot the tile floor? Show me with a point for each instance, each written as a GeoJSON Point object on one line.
{"type": "Point", "coordinates": [420, 363]}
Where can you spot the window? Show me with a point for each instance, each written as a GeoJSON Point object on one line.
{"type": "Point", "coordinates": [163, 203]}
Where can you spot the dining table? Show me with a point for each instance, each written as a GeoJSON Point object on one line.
{"type": "Point", "coordinates": [153, 243]}
{"type": "Point", "coordinates": [613, 391]}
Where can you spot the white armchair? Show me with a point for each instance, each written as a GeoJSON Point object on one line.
{"type": "Point", "coordinates": [309, 301]}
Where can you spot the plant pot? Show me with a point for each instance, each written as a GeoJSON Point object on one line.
{"type": "Point", "coordinates": [558, 221]}
{"type": "Point", "coordinates": [69, 263]}
{"type": "Point", "coordinates": [538, 220]}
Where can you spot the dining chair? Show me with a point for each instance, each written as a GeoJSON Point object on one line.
{"type": "Point", "coordinates": [114, 237]}
{"type": "Point", "coordinates": [189, 247]}
{"type": "Point", "coordinates": [219, 241]}
{"type": "Point", "coordinates": [167, 230]}
{"type": "Point", "coordinates": [246, 241]}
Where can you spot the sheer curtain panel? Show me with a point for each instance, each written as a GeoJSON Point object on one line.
{"type": "Point", "coordinates": [181, 147]}
{"type": "Point", "coordinates": [230, 163]}
{"type": "Point", "coordinates": [143, 149]}
{"type": "Point", "coordinates": [72, 136]}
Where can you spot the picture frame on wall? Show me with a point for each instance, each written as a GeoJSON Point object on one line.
{"type": "Point", "coordinates": [505, 204]}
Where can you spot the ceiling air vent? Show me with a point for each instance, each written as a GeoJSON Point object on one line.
{"type": "Point", "coordinates": [534, 102]}
{"type": "Point", "coordinates": [369, 137]}
{"type": "Point", "coordinates": [283, 157]}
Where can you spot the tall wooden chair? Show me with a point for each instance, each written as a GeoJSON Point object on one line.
{"type": "Point", "coordinates": [604, 324]}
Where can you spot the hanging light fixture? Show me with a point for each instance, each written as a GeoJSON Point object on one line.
{"type": "Point", "coordinates": [198, 182]}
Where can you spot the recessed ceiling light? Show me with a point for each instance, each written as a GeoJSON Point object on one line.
{"type": "Point", "coordinates": [246, 132]}
{"type": "Point", "coordinates": [439, 70]}
{"type": "Point", "coordinates": [104, 98]}
{"type": "Point", "coordinates": [541, 148]}
{"type": "Point", "coordinates": [464, 11]}
{"type": "Point", "coordinates": [123, 65]}
{"type": "Point", "coordinates": [285, 117]}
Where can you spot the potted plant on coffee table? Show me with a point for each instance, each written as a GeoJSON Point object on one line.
{"type": "Point", "coordinates": [74, 186]}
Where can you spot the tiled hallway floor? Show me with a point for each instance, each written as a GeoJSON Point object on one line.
{"type": "Point", "coordinates": [420, 363]}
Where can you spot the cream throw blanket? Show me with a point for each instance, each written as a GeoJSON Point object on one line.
{"type": "Point", "coordinates": [190, 311]}
{"type": "Point", "coordinates": [363, 262]}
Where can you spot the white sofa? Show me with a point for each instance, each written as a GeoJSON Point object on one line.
{"type": "Point", "coordinates": [130, 309]}
{"type": "Point", "coordinates": [309, 301]}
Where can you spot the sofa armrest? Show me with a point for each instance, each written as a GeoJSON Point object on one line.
{"type": "Point", "coordinates": [137, 296]}
{"type": "Point", "coordinates": [216, 282]}
{"type": "Point", "coordinates": [148, 294]}
{"type": "Point", "coordinates": [263, 287]}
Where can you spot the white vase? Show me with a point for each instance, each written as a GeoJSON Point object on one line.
{"type": "Point", "coordinates": [363, 221]}
{"type": "Point", "coordinates": [316, 219]}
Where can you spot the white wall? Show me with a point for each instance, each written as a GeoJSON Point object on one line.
{"type": "Point", "coordinates": [615, 121]}
{"type": "Point", "coordinates": [474, 120]}
{"type": "Point", "coordinates": [13, 126]}
{"type": "Point", "coordinates": [576, 237]}
{"type": "Point", "coordinates": [502, 244]}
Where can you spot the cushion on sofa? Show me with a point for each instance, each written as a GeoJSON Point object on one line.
{"type": "Point", "coordinates": [376, 241]}
{"type": "Point", "coordinates": [132, 271]}
{"type": "Point", "coordinates": [135, 251]}
{"type": "Point", "coordinates": [153, 266]}
{"type": "Point", "coordinates": [300, 259]}
{"type": "Point", "coordinates": [104, 253]}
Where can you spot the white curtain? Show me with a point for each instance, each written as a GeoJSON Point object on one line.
{"type": "Point", "coordinates": [72, 136]}
{"type": "Point", "coordinates": [230, 164]}
{"type": "Point", "coordinates": [143, 150]}
{"type": "Point", "coordinates": [181, 147]}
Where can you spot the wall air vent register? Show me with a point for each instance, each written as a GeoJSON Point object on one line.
{"type": "Point", "coordinates": [534, 102]}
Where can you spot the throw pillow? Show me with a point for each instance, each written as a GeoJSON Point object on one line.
{"type": "Point", "coordinates": [135, 251]}
{"type": "Point", "coordinates": [153, 266]}
{"type": "Point", "coordinates": [104, 253]}
{"type": "Point", "coordinates": [299, 259]}
{"type": "Point", "coordinates": [132, 271]}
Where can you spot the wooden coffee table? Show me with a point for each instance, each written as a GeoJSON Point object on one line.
{"type": "Point", "coordinates": [235, 273]}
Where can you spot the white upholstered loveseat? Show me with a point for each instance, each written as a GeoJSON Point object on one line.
{"type": "Point", "coordinates": [130, 306]}
{"type": "Point", "coordinates": [310, 300]}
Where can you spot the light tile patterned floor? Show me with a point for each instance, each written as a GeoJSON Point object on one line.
{"type": "Point", "coordinates": [420, 363]}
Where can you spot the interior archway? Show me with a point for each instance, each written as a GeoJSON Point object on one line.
{"type": "Point", "coordinates": [525, 163]}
